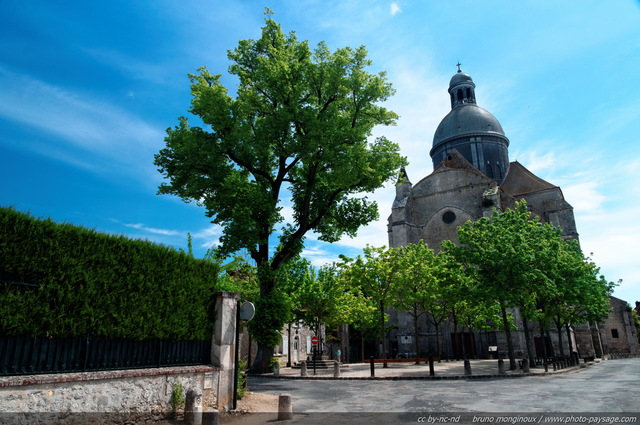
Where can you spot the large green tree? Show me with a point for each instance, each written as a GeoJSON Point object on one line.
{"type": "Point", "coordinates": [295, 133]}
{"type": "Point", "coordinates": [505, 255]}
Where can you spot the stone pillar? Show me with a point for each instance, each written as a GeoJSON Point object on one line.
{"type": "Point", "coordinates": [285, 409]}
{"type": "Point", "coordinates": [336, 369]}
{"type": "Point", "coordinates": [223, 346]}
{"type": "Point", "coordinates": [303, 369]}
{"type": "Point", "coordinates": [193, 408]}
{"type": "Point", "coordinates": [467, 367]}
{"type": "Point", "coordinates": [525, 365]}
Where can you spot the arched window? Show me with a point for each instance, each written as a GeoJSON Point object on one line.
{"type": "Point", "coordinates": [459, 95]}
{"type": "Point", "coordinates": [468, 93]}
{"type": "Point", "coordinates": [489, 170]}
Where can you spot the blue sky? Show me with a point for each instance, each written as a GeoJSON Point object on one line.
{"type": "Point", "coordinates": [87, 90]}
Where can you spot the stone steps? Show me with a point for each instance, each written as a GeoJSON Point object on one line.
{"type": "Point", "coordinates": [319, 364]}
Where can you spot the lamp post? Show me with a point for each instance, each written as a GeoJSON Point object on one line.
{"type": "Point", "coordinates": [246, 313]}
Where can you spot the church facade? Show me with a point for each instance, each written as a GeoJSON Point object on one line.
{"type": "Point", "coordinates": [472, 178]}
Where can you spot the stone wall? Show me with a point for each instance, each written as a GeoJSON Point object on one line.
{"type": "Point", "coordinates": [125, 396]}
{"type": "Point", "coordinates": [618, 332]}
{"type": "Point", "coordinates": [121, 396]}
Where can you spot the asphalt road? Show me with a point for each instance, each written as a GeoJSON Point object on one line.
{"type": "Point", "coordinates": [598, 394]}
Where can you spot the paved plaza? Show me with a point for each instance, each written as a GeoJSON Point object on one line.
{"type": "Point", "coordinates": [604, 392]}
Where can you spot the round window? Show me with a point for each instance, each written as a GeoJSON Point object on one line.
{"type": "Point", "coordinates": [449, 217]}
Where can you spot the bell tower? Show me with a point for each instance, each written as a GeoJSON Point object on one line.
{"type": "Point", "coordinates": [472, 131]}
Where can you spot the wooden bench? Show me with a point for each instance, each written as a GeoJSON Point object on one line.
{"type": "Point", "coordinates": [421, 360]}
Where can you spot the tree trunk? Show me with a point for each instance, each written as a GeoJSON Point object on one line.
{"type": "Point", "coordinates": [553, 353]}
{"type": "Point", "coordinates": [559, 329]}
{"type": "Point", "coordinates": [527, 338]}
{"type": "Point", "coordinates": [263, 357]}
{"type": "Point", "coordinates": [289, 347]}
{"type": "Point", "coordinates": [544, 349]}
{"type": "Point", "coordinates": [456, 348]}
{"type": "Point", "coordinates": [507, 331]}
{"type": "Point", "coordinates": [384, 346]}
{"type": "Point", "coordinates": [438, 342]}
{"type": "Point", "coordinates": [415, 331]}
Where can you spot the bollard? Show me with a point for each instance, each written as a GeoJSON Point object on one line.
{"type": "Point", "coordinates": [276, 369]}
{"type": "Point", "coordinates": [303, 369]}
{"type": "Point", "coordinates": [373, 370]}
{"type": "Point", "coordinates": [336, 369]}
{"type": "Point", "coordinates": [467, 367]}
{"type": "Point", "coordinates": [285, 410]}
{"type": "Point", "coordinates": [193, 408]}
{"type": "Point", "coordinates": [211, 417]}
{"type": "Point", "coordinates": [501, 370]}
{"type": "Point", "coordinates": [431, 371]}
{"type": "Point", "coordinates": [525, 365]}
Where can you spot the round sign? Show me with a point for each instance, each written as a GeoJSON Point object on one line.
{"type": "Point", "coordinates": [314, 340]}
{"type": "Point", "coordinates": [247, 311]}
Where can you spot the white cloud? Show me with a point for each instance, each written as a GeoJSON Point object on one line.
{"type": "Point", "coordinates": [394, 9]}
{"type": "Point", "coordinates": [536, 161]}
{"type": "Point", "coordinates": [319, 256]}
{"type": "Point", "coordinates": [110, 134]}
{"type": "Point", "coordinates": [585, 197]}
{"type": "Point", "coordinates": [208, 237]}
{"type": "Point", "coordinates": [153, 230]}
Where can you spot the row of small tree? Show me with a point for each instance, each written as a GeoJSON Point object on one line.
{"type": "Point", "coordinates": [504, 262]}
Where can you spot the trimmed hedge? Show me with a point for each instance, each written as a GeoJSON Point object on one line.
{"type": "Point", "coordinates": [68, 281]}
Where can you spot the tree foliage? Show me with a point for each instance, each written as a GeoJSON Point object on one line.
{"type": "Point", "coordinates": [295, 133]}
{"type": "Point", "coordinates": [373, 274]}
{"type": "Point", "coordinates": [518, 261]}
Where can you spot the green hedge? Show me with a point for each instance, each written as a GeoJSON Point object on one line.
{"type": "Point", "coordinates": [68, 281]}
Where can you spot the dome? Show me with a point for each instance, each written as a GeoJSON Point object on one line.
{"type": "Point", "coordinates": [460, 77]}
{"type": "Point", "coordinates": [466, 120]}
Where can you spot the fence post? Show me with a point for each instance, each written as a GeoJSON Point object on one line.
{"type": "Point", "coordinates": [431, 370]}
{"type": "Point", "coordinates": [373, 370]}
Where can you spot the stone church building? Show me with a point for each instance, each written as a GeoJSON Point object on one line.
{"type": "Point", "coordinates": [472, 178]}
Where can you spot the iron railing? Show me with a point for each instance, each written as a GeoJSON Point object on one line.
{"type": "Point", "coordinates": [36, 355]}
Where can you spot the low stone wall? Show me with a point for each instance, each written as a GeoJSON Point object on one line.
{"type": "Point", "coordinates": [129, 396]}
{"type": "Point", "coordinates": [123, 396]}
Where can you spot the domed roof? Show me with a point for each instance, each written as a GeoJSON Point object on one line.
{"type": "Point", "coordinates": [460, 77]}
{"type": "Point", "coordinates": [466, 120]}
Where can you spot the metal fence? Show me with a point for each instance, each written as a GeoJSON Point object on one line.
{"type": "Point", "coordinates": [36, 355]}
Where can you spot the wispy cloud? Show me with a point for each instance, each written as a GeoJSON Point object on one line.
{"type": "Point", "coordinates": [153, 230]}
{"type": "Point", "coordinates": [76, 121]}
{"type": "Point", "coordinates": [394, 9]}
{"type": "Point", "coordinates": [208, 237]}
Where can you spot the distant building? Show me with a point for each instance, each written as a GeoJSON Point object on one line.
{"type": "Point", "coordinates": [472, 178]}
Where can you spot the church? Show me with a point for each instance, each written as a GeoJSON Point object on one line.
{"type": "Point", "coordinates": [472, 177]}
